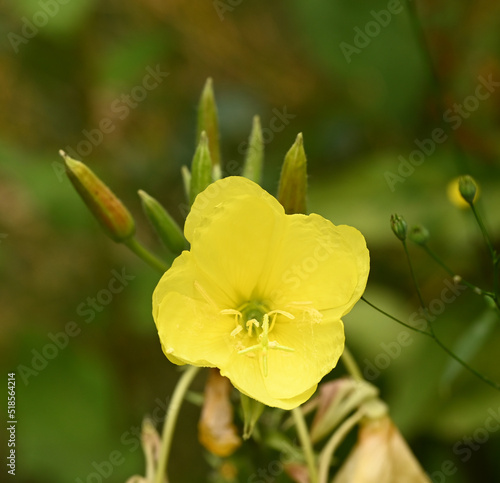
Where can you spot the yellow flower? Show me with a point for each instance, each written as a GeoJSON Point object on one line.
{"type": "Point", "coordinates": [260, 294]}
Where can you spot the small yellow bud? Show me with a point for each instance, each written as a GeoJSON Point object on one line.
{"type": "Point", "coordinates": [101, 201]}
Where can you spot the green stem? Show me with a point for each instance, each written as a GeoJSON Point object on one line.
{"type": "Point", "coordinates": [146, 255]}
{"type": "Point", "coordinates": [333, 443]}
{"type": "Point", "coordinates": [383, 312]}
{"type": "Point", "coordinates": [413, 276]}
{"type": "Point", "coordinates": [485, 379]}
{"type": "Point", "coordinates": [494, 255]}
{"type": "Point", "coordinates": [305, 441]}
{"type": "Point", "coordinates": [433, 336]}
{"type": "Point", "coordinates": [461, 157]}
{"type": "Point", "coordinates": [351, 365]}
{"type": "Point", "coordinates": [440, 262]}
{"type": "Point", "coordinates": [171, 420]}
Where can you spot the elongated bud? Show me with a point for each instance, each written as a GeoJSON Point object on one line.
{"type": "Point", "coordinates": [186, 180]}
{"type": "Point", "coordinates": [292, 189]}
{"type": "Point", "coordinates": [101, 201]}
{"type": "Point", "coordinates": [254, 156]}
{"type": "Point", "coordinates": [468, 188]}
{"type": "Point", "coordinates": [419, 235]}
{"type": "Point", "coordinates": [208, 121]}
{"type": "Point", "coordinates": [164, 225]}
{"type": "Point", "coordinates": [201, 169]}
{"type": "Point", "coordinates": [399, 226]}
{"type": "Point", "coordinates": [252, 411]}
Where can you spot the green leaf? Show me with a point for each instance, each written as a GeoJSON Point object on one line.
{"type": "Point", "coordinates": [469, 344]}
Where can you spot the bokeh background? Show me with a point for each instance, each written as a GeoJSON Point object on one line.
{"type": "Point", "coordinates": [67, 65]}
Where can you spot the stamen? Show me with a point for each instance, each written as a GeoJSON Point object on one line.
{"type": "Point", "coordinates": [250, 323]}
{"type": "Point", "coordinates": [236, 330]}
{"type": "Point", "coordinates": [273, 322]}
{"type": "Point", "coordinates": [205, 295]}
{"type": "Point", "coordinates": [282, 312]}
{"type": "Point", "coordinates": [230, 312]}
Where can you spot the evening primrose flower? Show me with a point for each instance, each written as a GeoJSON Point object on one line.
{"type": "Point", "coordinates": [260, 294]}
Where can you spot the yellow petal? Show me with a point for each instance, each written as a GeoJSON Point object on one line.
{"type": "Point", "coordinates": [238, 243]}
{"type": "Point", "coordinates": [188, 318]}
{"type": "Point", "coordinates": [317, 348]}
{"type": "Point", "coordinates": [320, 263]}
{"type": "Point", "coordinates": [245, 373]}
{"type": "Point", "coordinates": [224, 190]}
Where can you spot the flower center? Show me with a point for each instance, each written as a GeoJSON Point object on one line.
{"type": "Point", "coordinates": [255, 318]}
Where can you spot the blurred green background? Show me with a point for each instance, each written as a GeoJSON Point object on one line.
{"type": "Point", "coordinates": [67, 65]}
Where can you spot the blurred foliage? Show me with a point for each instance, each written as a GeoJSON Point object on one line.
{"type": "Point", "coordinates": [357, 118]}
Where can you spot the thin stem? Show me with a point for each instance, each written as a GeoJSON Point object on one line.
{"type": "Point", "coordinates": [413, 276]}
{"type": "Point", "coordinates": [440, 262]}
{"type": "Point", "coordinates": [383, 312]}
{"type": "Point", "coordinates": [483, 229]}
{"type": "Point", "coordinates": [433, 336]}
{"type": "Point", "coordinates": [485, 379]}
{"type": "Point", "coordinates": [351, 365]}
{"type": "Point", "coordinates": [326, 455]}
{"type": "Point", "coordinates": [494, 255]}
{"type": "Point", "coordinates": [461, 157]}
{"type": "Point", "coordinates": [305, 441]}
{"type": "Point", "coordinates": [171, 420]}
{"type": "Point", "coordinates": [146, 255]}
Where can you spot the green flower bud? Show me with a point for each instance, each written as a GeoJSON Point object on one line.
{"type": "Point", "coordinates": [399, 226]}
{"type": "Point", "coordinates": [419, 235]}
{"type": "Point", "coordinates": [467, 187]}
{"type": "Point", "coordinates": [186, 180]}
{"type": "Point", "coordinates": [254, 157]}
{"type": "Point", "coordinates": [102, 202]}
{"type": "Point", "coordinates": [164, 225]}
{"type": "Point", "coordinates": [201, 168]}
{"type": "Point", "coordinates": [252, 411]}
{"type": "Point", "coordinates": [292, 187]}
{"type": "Point", "coordinates": [208, 121]}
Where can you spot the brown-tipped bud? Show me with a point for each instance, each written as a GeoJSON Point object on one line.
{"type": "Point", "coordinates": [101, 201]}
{"type": "Point", "coordinates": [208, 121]}
{"type": "Point", "coordinates": [399, 226]}
{"type": "Point", "coordinates": [292, 189]}
{"type": "Point", "coordinates": [419, 235]}
{"type": "Point", "coordinates": [468, 188]}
